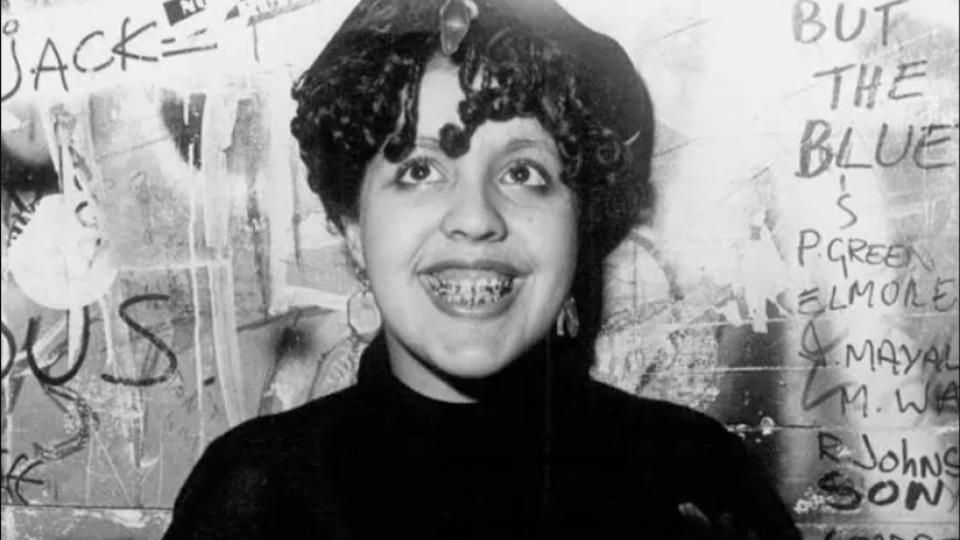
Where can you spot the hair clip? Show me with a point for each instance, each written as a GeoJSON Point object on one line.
{"type": "Point", "coordinates": [455, 17]}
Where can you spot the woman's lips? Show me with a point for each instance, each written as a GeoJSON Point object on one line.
{"type": "Point", "coordinates": [473, 291]}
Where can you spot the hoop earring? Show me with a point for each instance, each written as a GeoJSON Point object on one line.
{"type": "Point", "coordinates": [363, 315]}
{"type": "Point", "coordinates": [568, 322]}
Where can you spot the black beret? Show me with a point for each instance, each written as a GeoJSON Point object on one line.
{"type": "Point", "coordinates": [607, 78]}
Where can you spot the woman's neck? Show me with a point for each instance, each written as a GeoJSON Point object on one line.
{"type": "Point", "coordinates": [521, 376]}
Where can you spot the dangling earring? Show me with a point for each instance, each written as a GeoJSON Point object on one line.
{"type": "Point", "coordinates": [363, 316]}
{"type": "Point", "coordinates": [341, 365]}
{"type": "Point", "coordinates": [568, 322]}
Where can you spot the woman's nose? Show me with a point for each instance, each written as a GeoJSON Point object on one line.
{"type": "Point", "coordinates": [474, 215]}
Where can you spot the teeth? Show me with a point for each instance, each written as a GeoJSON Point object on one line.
{"type": "Point", "coordinates": [471, 292]}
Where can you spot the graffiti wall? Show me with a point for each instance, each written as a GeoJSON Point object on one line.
{"type": "Point", "coordinates": [167, 273]}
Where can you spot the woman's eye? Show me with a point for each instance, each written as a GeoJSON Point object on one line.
{"type": "Point", "coordinates": [418, 171]}
{"type": "Point", "coordinates": [526, 174]}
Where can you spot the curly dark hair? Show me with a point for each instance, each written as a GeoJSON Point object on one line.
{"type": "Point", "coordinates": [362, 97]}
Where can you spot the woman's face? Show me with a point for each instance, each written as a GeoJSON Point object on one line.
{"type": "Point", "coordinates": [470, 259]}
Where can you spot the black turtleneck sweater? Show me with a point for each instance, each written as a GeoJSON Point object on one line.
{"type": "Point", "coordinates": [544, 454]}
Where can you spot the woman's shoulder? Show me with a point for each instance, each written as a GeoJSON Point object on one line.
{"type": "Point", "coordinates": [283, 433]}
{"type": "Point", "coordinates": [256, 470]}
{"type": "Point", "coordinates": [631, 410]}
{"type": "Point", "coordinates": [660, 431]}
{"type": "Point", "coordinates": [694, 455]}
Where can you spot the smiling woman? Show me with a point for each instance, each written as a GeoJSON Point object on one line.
{"type": "Point", "coordinates": [470, 257]}
{"type": "Point", "coordinates": [481, 159]}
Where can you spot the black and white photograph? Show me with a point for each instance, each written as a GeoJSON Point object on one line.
{"type": "Point", "coordinates": [480, 269]}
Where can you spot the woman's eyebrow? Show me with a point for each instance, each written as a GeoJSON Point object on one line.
{"type": "Point", "coordinates": [522, 143]}
{"type": "Point", "coordinates": [514, 144]}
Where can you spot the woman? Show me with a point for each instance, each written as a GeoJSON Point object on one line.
{"type": "Point", "coordinates": [480, 158]}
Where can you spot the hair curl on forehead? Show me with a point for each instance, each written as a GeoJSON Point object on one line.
{"type": "Point", "coordinates": [365, 99]}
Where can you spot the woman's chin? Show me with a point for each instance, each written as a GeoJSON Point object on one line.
{"type": "Point", "coordinates": [471, 362]}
